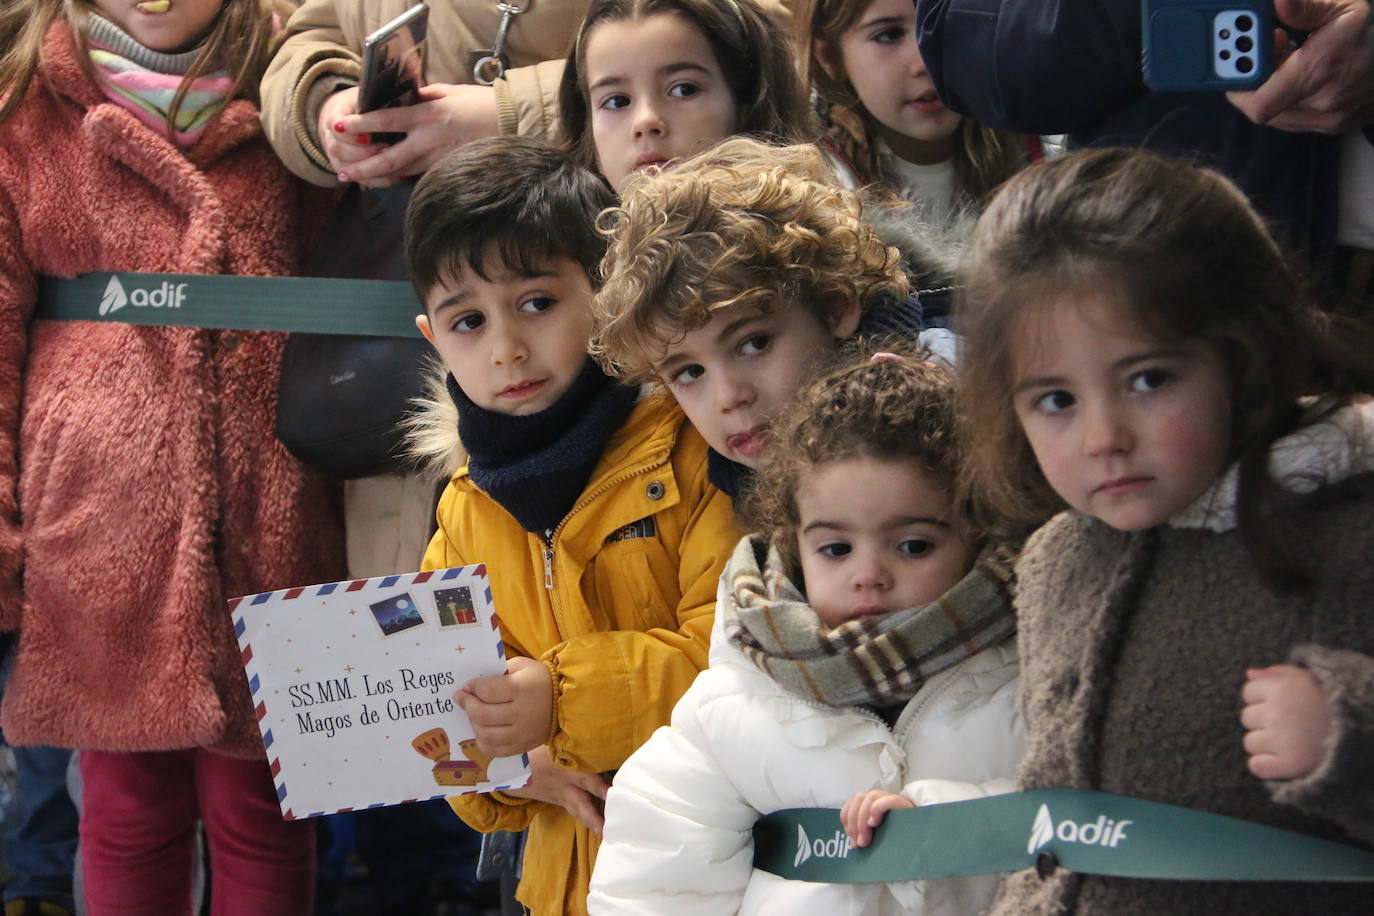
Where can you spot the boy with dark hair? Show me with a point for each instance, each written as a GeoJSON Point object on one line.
{"type": "Point", "coordinates": [588, 502]}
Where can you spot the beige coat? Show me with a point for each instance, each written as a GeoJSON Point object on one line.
{"type": "Point", "coordinates": [322, 53]}
{"type": "Point", "coordinates": [324, 42]}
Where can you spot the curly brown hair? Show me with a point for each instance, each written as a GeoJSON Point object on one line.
{"type": "Point", "coordinates": [901, 410]}
{"type": "Point", "coordinates": [743, 224]}
{"type": "Point", "coordinates": [1182, 251]}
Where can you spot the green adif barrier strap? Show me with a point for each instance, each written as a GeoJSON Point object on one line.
{"type": "Point", "coordinates": [1092, 832]}
{"type": "Point", "coordinates": [377, 308]}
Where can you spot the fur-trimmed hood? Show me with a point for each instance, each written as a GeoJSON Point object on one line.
{"type": "Point", "coordinates": [431, 427]}
{"type": "Point", "coordinates": [930, 252]}
{"type": "Point", "coordinates": [1330, 450]}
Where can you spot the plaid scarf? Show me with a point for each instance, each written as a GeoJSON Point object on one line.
{"type": "Point", "coordinates": [872, 661]}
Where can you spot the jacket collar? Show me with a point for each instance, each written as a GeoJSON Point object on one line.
{"type": "Point", "coordinates": [1328, 451]}
{"type": "Point", "coordinates": [641, 449]}
{"type": "Point", "coordinates": [237, 122]}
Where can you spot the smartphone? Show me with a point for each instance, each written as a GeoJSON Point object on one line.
{"type": "Point", "coordinates": [1206, 45]}
{"type": "Point", "coordinates": [394, 65]}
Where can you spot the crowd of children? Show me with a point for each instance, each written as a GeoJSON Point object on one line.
{"type": "Point", "coordinates": [772, 520]}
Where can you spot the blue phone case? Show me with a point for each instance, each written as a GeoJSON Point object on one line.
{"type": "Point", "coordinates": [1200, 45]}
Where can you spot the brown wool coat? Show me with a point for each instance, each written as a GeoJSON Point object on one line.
{"type": "Point", "coordinates": [141, 483]}
{"type": "Point", "coordinates": [1134, 649]}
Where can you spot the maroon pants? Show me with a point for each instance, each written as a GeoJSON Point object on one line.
{"type": "Point", "coordinates": [138, 827]}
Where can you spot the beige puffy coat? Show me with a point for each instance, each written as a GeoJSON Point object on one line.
{"type": "Point", "coordinates": [324, 42]}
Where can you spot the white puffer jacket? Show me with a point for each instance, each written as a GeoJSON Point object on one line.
{"type": "Point", "coordinates": [680, 813]}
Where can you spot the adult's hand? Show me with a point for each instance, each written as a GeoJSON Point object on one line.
{"type": "Point", "coordinates": [580, 794]}
{"type": "Point", "coordinates": [446, 117]}
{"type": "Point", "coordinates": [343, 149]}
{"type": "Point", "coordinates": [1325, 85]}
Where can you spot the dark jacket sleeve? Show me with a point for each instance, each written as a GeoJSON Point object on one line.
{"type": "Point", "coordinates": [1073, 66]}
{"type": "Point", "coordinates": [1033, 66]}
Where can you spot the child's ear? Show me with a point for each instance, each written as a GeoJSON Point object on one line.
{"type": "Point", "coordinates": [844, 319]}
{"type": "Point", "coordinates": [827, 55]}
{"type": "Point", "coordinates": [422, 322]}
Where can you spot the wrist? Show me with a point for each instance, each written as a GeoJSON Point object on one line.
{"type": "Point", "coordinates": [555, 701]}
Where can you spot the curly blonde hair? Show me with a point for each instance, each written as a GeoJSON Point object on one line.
{"type": "Point", "coordinates": [743, 224]}
{"type": "Point", "coordinates": [901, 410]}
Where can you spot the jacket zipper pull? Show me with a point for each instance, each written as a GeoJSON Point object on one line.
{"type": "Point", "coordinates": [548, 559]}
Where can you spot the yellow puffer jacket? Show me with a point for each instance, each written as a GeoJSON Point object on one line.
{"type": "Point", "coordinates": [623, 630]}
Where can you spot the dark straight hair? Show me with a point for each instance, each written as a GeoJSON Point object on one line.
{"type": "Point", "coordinates": [523, 201]}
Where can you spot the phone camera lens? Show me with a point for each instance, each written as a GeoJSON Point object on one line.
{"type": "Point", "coordinates": [1244, 23]}
{"type": "Point", "coordinates": [1224, 34]}
{"type": "Point", "coordinates": [1224, 55]}
{"type": "Point", "coordinates": [1245, 44]}
{"type": "Point", "coordinates": [1244, 64]}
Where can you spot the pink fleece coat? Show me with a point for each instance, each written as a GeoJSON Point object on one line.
{"type": "Point", "coordinates": [141, 483]}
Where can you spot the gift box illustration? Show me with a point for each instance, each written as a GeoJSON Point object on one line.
{"type": "Point", "coordinates": [344, 675]}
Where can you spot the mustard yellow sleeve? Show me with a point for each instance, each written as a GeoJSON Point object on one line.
{"type": "Point", "coordinates": [440, 554]}
{"type": "Point", "coordinates": [445, 548]}
{"type": "Point", "coordinates": [612, 689]}
{"type": "Point", "coordinates": [492, 811]}
{"type": "Point", "coordinates": [495, 810]}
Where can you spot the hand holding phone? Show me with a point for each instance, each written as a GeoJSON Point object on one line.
{"type": "Point", "coordinates": [1326, 84]}
{"type": "Point", "coordinates": [1206, 45]}
{"type": "Point", "coordinates": [394, 65]}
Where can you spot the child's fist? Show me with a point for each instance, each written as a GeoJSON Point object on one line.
{"type": "Point", "coordinates": [865, 811]}
{"type": "Point", "coordinates": [510, 713]}
{"type": "Point", "coordinates": [583, 795]}
{"type": "Point", "coordinates": [1287, 720]}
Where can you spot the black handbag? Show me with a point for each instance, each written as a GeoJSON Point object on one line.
{"type": "Point", "coordinates": [341, 398]}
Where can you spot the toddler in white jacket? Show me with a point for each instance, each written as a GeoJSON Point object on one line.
{"type": "Point", "coordinates": [862, 657]}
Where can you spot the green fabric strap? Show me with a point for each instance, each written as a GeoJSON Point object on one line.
{"type": "Point", "coordinates": [1091, 832]}
{"type": "Point", "coordinates": [376, 308]}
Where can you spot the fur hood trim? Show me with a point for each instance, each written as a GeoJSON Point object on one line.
{"type": "Point", "coordinates": [431, 427]}
{"type": "Point", "coordinates": [1333, 449]}
{"type": "Point", "coordinates": [930, 252]}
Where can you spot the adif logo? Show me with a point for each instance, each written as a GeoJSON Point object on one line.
{"type": "Point", "coordinates": [114, 298]}
{"type": "Point", "coordinates": [837, 847]}
{"type": "Point", "coordinates": [168, 295]}
{"type": "Point", "coordinates": [1102, 832]}
{"type": "Point", "coordinates": [803, 847]}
